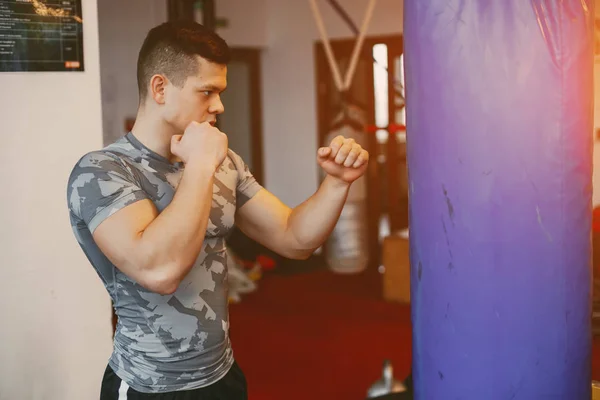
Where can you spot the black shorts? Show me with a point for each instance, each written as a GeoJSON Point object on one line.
{"type": "Point", "coordinates": [231, 387]}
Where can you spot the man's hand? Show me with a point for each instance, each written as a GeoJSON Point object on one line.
{"type": "Point", "coordinates": [201, 143]}
{"type": "Point", "coordinates": [343, 159]}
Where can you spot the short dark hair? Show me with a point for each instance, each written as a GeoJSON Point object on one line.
{"type": "Point", "coordinates": [170, 49]}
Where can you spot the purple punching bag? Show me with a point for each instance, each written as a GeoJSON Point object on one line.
{"type": "Point", "coordinates": [499, 124]}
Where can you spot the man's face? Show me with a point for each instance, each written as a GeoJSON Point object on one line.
{"type": "Point", "coordinates": [199, 99]}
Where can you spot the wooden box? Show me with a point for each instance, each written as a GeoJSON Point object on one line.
{"type": "Point", "coordinates": [595, 390]}
{"type": "Point", "coordinates": [396, 277]}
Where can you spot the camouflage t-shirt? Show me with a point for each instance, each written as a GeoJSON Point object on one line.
{"type": "Point", "coordinates": [163, 343]}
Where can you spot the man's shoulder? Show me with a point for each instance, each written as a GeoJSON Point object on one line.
{"type": "Point", "coordinates": [98, 165]}
{"type": "Point", "coordinates": [96, 161]}
{"type": "Point", "coordinates": [106, 158]}
{"type": "Point", "coordinates": [237, 161]}
{"type": "Point", "coordinates": [97, 173]}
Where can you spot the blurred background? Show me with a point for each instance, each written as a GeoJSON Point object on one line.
{"type": "Point", "coordinates": [314, 329]}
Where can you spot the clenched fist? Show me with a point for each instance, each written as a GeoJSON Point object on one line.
{"type": "Point", "coordinates": [201, 143]}
{"type": "Point", "coordinates": [343, 159]}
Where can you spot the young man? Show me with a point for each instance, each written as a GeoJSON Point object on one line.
{"type": "Point", "coordinates": [151, 212]}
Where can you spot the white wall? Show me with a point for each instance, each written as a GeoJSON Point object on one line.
{"type": "Point", "coordinates": [247, 22]}
{"type": "Point", "coordinates": [55, 338]}
{"type": "Point", "coordinates": [123, 27]}
{"type": "Point", "coordinates": [290, 114]}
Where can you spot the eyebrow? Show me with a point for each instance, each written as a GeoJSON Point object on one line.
{"type": "Point", "coordinates": [213, 88]}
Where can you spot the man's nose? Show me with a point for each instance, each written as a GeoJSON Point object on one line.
{"type": "Point", "coordinates": [217, 106]}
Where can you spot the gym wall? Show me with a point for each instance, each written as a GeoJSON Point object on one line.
{"type": "Point", "coordinates": [55, 313]}
{"type": "Point", "coordinates": [122, 27]}
{"type": "Point", "coordinates": [247, 22]}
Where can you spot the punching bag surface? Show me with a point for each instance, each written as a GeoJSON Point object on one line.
{"type": "Point", "coordinates": [499, 135]}
{"type": "Point", "coordinates": [347, 250]}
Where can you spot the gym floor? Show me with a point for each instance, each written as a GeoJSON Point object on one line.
{"type": "Point", "coordinates": [316, 335]}
{"type": "Point", "coordinates": [309, 334]}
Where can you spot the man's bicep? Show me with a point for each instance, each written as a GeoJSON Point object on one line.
{"type": "Point", "coordinates": [264, 218]}
{"type": "Point", "coordinates": [105, 195]}
{"type": "Point", "coordinates": [118, 235]}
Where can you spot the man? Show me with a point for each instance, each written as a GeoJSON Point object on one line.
{"type": "Point", "coordinates": [151, 212]}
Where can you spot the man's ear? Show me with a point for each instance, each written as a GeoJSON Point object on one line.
{"type": "Point", "coordinates": [158, 84]}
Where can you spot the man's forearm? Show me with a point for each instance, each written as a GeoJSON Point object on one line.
{"type": "Point", "coordinates": [313, 221]}
{"type": "Point", "coordinates": [174, 239]}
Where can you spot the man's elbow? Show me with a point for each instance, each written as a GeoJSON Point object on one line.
{"type": "Point", "coordinates": [163, 283]}
{"type": "Point", "coordinates": [299, 254]}
{"type": "Point", "coordinates": [293, 248]}
{"type": "Point", "coordinates": [165, 288]}
{"type": "Point", "coordinates": [160, 286]}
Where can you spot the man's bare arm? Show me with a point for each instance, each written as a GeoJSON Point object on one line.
{"type": "Point", "coordinates": [297, 233]}
{"type": "Point", "coordinates": [158, 250]}
{"type": "Point", "coordinates": [293, 233]}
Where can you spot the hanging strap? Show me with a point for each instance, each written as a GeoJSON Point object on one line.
{"type": "Point", "coordinates": [342, 85]}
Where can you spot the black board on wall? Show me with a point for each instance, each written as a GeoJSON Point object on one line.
{"type": "Point", "coordinates": [41, 35]}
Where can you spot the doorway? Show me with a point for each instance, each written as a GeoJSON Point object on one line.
{"type": "Point", "coordinates": [242, 119]}
{"type": "Point", "coordinates": [378, 88]}
{"type": "Point", "coordinates": [242, 122]}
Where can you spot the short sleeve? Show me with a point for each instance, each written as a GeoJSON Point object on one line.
{"type": "Point", "coordinates": [100, 185]}
{"type": "Point", "coordinates": [247, 186]}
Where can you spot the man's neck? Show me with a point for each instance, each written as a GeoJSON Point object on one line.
{"type": "Point", "coordinates": [154, 134]}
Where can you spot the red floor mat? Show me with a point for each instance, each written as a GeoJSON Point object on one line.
{"type": "Point", "coordinates": [321, 336]}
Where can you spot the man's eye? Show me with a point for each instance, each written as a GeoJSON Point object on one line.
{"type": "Point", "coordinates": [207, 92]}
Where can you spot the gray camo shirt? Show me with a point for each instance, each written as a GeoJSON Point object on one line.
{"type": "Point", "coordinates": [163, 343]}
